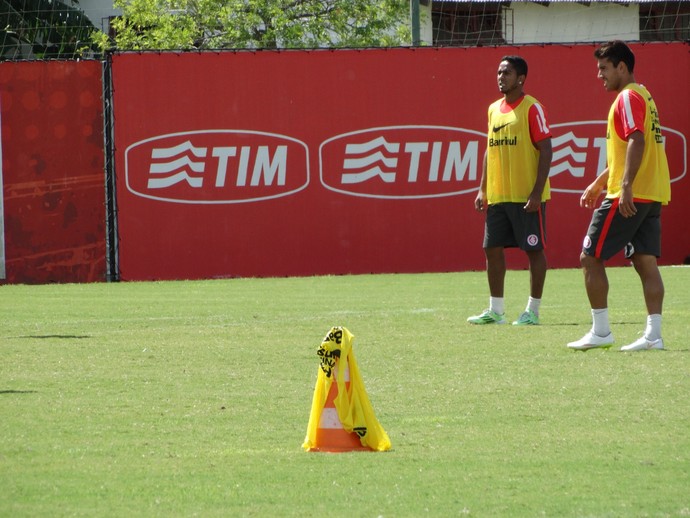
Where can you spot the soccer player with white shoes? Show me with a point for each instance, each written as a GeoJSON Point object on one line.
{"type": "Point", "coordinates": [637, 183]}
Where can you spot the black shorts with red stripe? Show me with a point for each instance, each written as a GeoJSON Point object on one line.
{"type": "Point", "coordinates": [610, 232]}
{"type": "Point", "coordinates": [509, 225]}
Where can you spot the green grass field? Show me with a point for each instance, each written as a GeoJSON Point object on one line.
{"type": "Point", "coordinates": [192, 399]}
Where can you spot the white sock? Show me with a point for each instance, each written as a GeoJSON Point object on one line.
{"type": "Point", "coordinates": [533, 305]}
{"type": "Point", "coordinates": [653, 331]}
{"type": "Point", "coordinates": [600, 322]}
{"type": "Point", "coordinates": [497, 305]}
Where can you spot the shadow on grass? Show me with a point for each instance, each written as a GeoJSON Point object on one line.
{"type": "Point", "coordinates": [62, 337]}
{"type": "Point", "coordinates": [583, 324]}
{"type": "Point", "coordinates": [17, 392]}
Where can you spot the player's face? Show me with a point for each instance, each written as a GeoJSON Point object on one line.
{"type": "Point", "coordinates": [507, 78]}
{"type": "Point", "coordinates": [610, 75]}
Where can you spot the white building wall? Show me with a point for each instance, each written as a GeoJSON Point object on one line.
{"type": "Point", "coordinates": [559, 22]}
{"type": "Point", "coordinates": [99, 11]}
{"type": "Point", "coordinates": [571, 22]}
{"type": "Point", "coordinates": [426, 30]}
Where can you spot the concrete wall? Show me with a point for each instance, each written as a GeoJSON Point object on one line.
{"type": "Point", "coordinates": [559, 22]}
{"type": "Point", "coordinates": [573, 22]}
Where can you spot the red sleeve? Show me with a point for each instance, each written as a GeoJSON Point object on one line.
{"type": "Point", "coordinates": [538, 126]}
{"type": "Point", "coordinates": [629, 113]}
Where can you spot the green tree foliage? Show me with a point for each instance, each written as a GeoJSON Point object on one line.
{"type": "Point", "coordinates": [32, 29]}
{"type": "Point", "coordinates": [223, 24]}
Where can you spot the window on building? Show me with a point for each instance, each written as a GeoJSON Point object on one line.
{"type": "Point", "coordinates": [665, 21]}
{"type": "Point", "coordinates": [460, 24]}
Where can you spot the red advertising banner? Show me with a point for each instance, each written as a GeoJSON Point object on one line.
{"type": "Point", "coordinates": [354, 161]}
{"type": "Point", "coordinates": [52, 172]}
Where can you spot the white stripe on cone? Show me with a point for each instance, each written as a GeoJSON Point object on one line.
{"type": "Point", "coordinates": [330, 420]}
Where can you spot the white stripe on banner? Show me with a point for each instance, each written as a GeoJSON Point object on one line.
{"type": "Point", "coordinates": [2, 213]}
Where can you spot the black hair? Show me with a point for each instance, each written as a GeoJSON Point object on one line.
{"type": "Point", "coordinates": [519, 64]}
{"type": "Point", "coordinates": [616, 51]}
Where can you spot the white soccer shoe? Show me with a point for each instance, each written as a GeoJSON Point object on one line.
{"type": "Point", "coordinates": [592, 341]}
{"type": "Point", "coordinates": [643, 344]}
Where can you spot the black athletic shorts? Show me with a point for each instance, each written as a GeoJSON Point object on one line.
{"type": "Point", "coordinates": [609, 232]}
{"type": "Point", "coordinates": [510, 225]}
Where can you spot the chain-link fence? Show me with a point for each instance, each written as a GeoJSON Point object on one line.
{"type": "Point", "coordinates": [54, 29]}
{"type": "Point", "coordinates": [45, 29]}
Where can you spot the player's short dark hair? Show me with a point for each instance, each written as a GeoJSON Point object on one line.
{"type": "Point", "coordinates": [519, 64]}
{"type": "Point", "coordinates": [616, 51]}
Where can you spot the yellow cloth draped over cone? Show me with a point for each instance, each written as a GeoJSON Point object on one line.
{"type": "Point", "coordinates": [352, 403]}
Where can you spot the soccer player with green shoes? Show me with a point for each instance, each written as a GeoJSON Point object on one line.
{"type": "Point", "coordinates": [514, 190]}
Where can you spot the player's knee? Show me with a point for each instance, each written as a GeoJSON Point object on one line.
{"type": "Point", "coordinates": [584, 259]}
{"type": "Point", "coordinates": [536, 256]}
{"type": "Point", "coordinates": [589, 262]}
{"type": "Point", "coordinates": [645, 264]}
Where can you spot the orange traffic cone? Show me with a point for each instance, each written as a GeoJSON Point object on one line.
{"type": "Point", "coordinates": [330, 434]}
{"type": "Point", "coordinates": [341, 417]}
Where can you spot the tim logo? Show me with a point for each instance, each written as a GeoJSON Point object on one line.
{"type": "Point", "coordinates": [216, 166]}
{"type": "Point", "coordinates": [579, 154]}
{"type": "Point", "coordinates": [403, 162]}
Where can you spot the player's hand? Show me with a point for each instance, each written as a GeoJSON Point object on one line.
{"type": "Point", "coordinates": [626, 206]}
{"type": "Point", "coordinates": [589, 198]}
{"type": "Point", "coordinates": [480, 202]}
{"type": "Point", "coordinates": [533, 203]}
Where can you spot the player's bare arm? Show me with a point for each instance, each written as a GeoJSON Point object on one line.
{"type": "Point", "coordinates": [480, 201]}
{"type": "Point", "coordinates": [543, 169]}
{"type": "Point", "coordinates": [633, 159]}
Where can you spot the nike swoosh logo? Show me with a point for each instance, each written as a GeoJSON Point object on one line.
{"type": "Point", "coordinates": [496, 128]}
